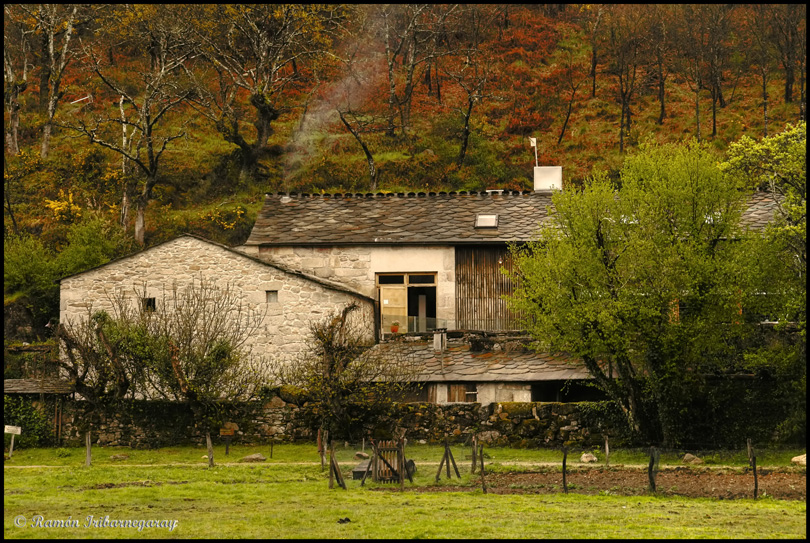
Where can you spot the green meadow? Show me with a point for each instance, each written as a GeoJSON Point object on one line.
{"type": "Point", "coordinates": [49, 493]}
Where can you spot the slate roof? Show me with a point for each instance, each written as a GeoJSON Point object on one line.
{"type": "Point", "coordinates": [37, 386]}
{"type": "Point", "coordinates": [445, 218]}
{"type": "Point", "coordinates": [459, 363]}
{"type": "Point", "coordinates": [760, 211]}
{"type": "Point", "coordinates": [323, 282]}
{"type": "Point", "coordinates": [419, 219]}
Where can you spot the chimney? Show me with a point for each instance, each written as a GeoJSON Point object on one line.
{"type": "Point", "coordinates": [439, 339]}
{"type": "Point", "coordinates": [547, 178]}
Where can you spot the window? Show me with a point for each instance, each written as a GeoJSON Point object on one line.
{"type": "Point", "coordinates": [271, 296]}
{"type": "Point", "coordinates": [148, 304]}
{"type": "Point", "coordinates": [462, 392]}
{"type": "Point", "coordinates": [409, 299]}
{"type": "Point", "coordinates": [486, 221]}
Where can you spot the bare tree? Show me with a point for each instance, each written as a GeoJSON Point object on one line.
{"type": "Point", "coordinates": [143, 109]}
{"type": "Point", "coordinates": [761, 52]}
{"type": "Point", "coordinates": [98, 358]}
{"type": "Point", "coordinates": [471, 68]}
{"type": "Point", "coordinates": [788, 21]}
{"type": "Point", "coordinates": [16, 61]}
{"type": "Point", "coordinates": [260, 50]}
{"type": "Point", "coordinates": [719, 24]}
{"type": "Point", "coordinates": [625, 29]}
{"type": "Point", "coordinates": [413, 36]}
{"type": "Point", "coordinates": [594, 29]}
{"type": "Point", "coordinates": [55, 24]}
{"type": "Point", "coordinates": [191, 346]}
{"type": "Point", "coordinates": [693, 37]}
{"type": "Point", "coordinates": [201, 352]}
{"type": "Point", "coordinates": [659, 17]}
{"type": "Point", "coordinates": [351, 386]}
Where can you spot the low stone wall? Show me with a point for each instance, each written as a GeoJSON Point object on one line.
{"type": "Point", "coordinates": [517, 424]}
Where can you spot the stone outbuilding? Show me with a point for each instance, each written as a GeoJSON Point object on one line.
{"type": "Point", "coordinates": [289, 300]}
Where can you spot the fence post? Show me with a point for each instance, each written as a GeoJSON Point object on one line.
{"type": "Point", "coordinates": [401, 455]}
{"type": "Point", "coordinates": [607, 452]}
{"type": "Point", "coordinates": [752, 461]}
{"type": "Point", "coordinates": [474, 447]}
{"type": "Point", "coordinates": [565, 458]}
{"type": "Point", "coordinates": [650, 469]}
{"type": "Point", "coordinates": [331, 471]}
{"type": "Point", "coordinates": [481, 456]}
{"type": "Point", "coordinates": [756, 484]}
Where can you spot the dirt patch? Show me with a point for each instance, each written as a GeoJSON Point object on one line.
{"type": "Point", "coordinates": [680, 481]}
{"type": "Point", "coordinates": [102, 486]}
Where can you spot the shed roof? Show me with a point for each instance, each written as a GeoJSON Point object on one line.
{"type": "Point", "coordinates": [458, 362]}
{"type": "Point", "coordinates": [37, 386]}
{"type": "Point", "coordinates": [444, 218]}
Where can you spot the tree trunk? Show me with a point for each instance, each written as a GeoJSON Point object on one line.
{"type": "Point", "coordinates": [125, 204]}
{"type": "Point", "coordinates": [372, 167]}
{"type": "Point", "coordinates": [13, 108]}
{"type": "Point", "coordinates": [140, 228]}
{"type": "Point", "coordinates": [465, 135]}
{"type": "Point", "coordinates": [789, 80]}
{"type": "Point", "coordinates": [765, 102]}
{"type": "Point", "coordinates": [266, 113]}
{"type": "Point", "coordinates": [567, 116]}
{"type": "Point", "coordinates": [46, 140]}
{"type": "Point", "coordinates": [661, 94]}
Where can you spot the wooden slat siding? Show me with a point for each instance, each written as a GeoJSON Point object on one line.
{"type": "Point", "coordinates": [480, 287]}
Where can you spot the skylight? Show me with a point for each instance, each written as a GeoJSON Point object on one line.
{"type": "Point", "coordinates": [486, 221]}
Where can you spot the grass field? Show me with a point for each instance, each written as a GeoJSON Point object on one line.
{"type": "Point", "coordinates": [288, 497]}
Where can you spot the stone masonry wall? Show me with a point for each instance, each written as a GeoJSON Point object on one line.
{"type": "Point", "coordinates": [155, 272]}
{"type": "Point", "coordinates": [141, 424]}
{"type": "Point", "coordinates": [357, 266]}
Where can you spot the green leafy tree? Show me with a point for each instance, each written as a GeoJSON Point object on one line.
{"type": "Point", "coordinates": [779, 164]}
{"type": "Point", "coordinates": [641, 283]}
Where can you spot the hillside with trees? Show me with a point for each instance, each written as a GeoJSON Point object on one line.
{"type": "Point", "coordinates": [126, 125]}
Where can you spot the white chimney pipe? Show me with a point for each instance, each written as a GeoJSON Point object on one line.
{"type": "Point", "coordinates": [440, 340]}
{"type": "Point", "coordinates": [547, 178]}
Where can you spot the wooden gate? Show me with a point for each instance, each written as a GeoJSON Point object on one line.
{"type": "Point", "coordinates": [387, 462]}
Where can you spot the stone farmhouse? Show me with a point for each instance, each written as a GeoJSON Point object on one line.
{"type": "Point", "coordinates": [427, 265]}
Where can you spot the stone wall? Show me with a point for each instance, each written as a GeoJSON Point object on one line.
{"type": "Point", "coordinates": [141, 424]}
{"type": "Point", "coordinates": [158, 271]}
{"type": "Point", "coordinates": [357, 266]}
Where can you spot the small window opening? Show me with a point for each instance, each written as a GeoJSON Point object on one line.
{"type": "Point", "coordinates": [390, 279]}
{"type": "Point", "coordinates": [271, 296]}
{"type": "Point", "coordinates": [149, 305]}
{"type": "Point", "coordinates": [486, 221]}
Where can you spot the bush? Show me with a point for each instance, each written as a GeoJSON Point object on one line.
{"type": "Point", "coordinates": [36, 428]}
{"type": "Point", "coordinates": [91, 243]}
{"type": "Point", "coordinates": [32, 270]}
{"type": "Point", "coordinates": [29, 269]}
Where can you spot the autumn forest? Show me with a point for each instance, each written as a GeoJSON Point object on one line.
{"type": "Point", "coordinates": [127, 124]}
